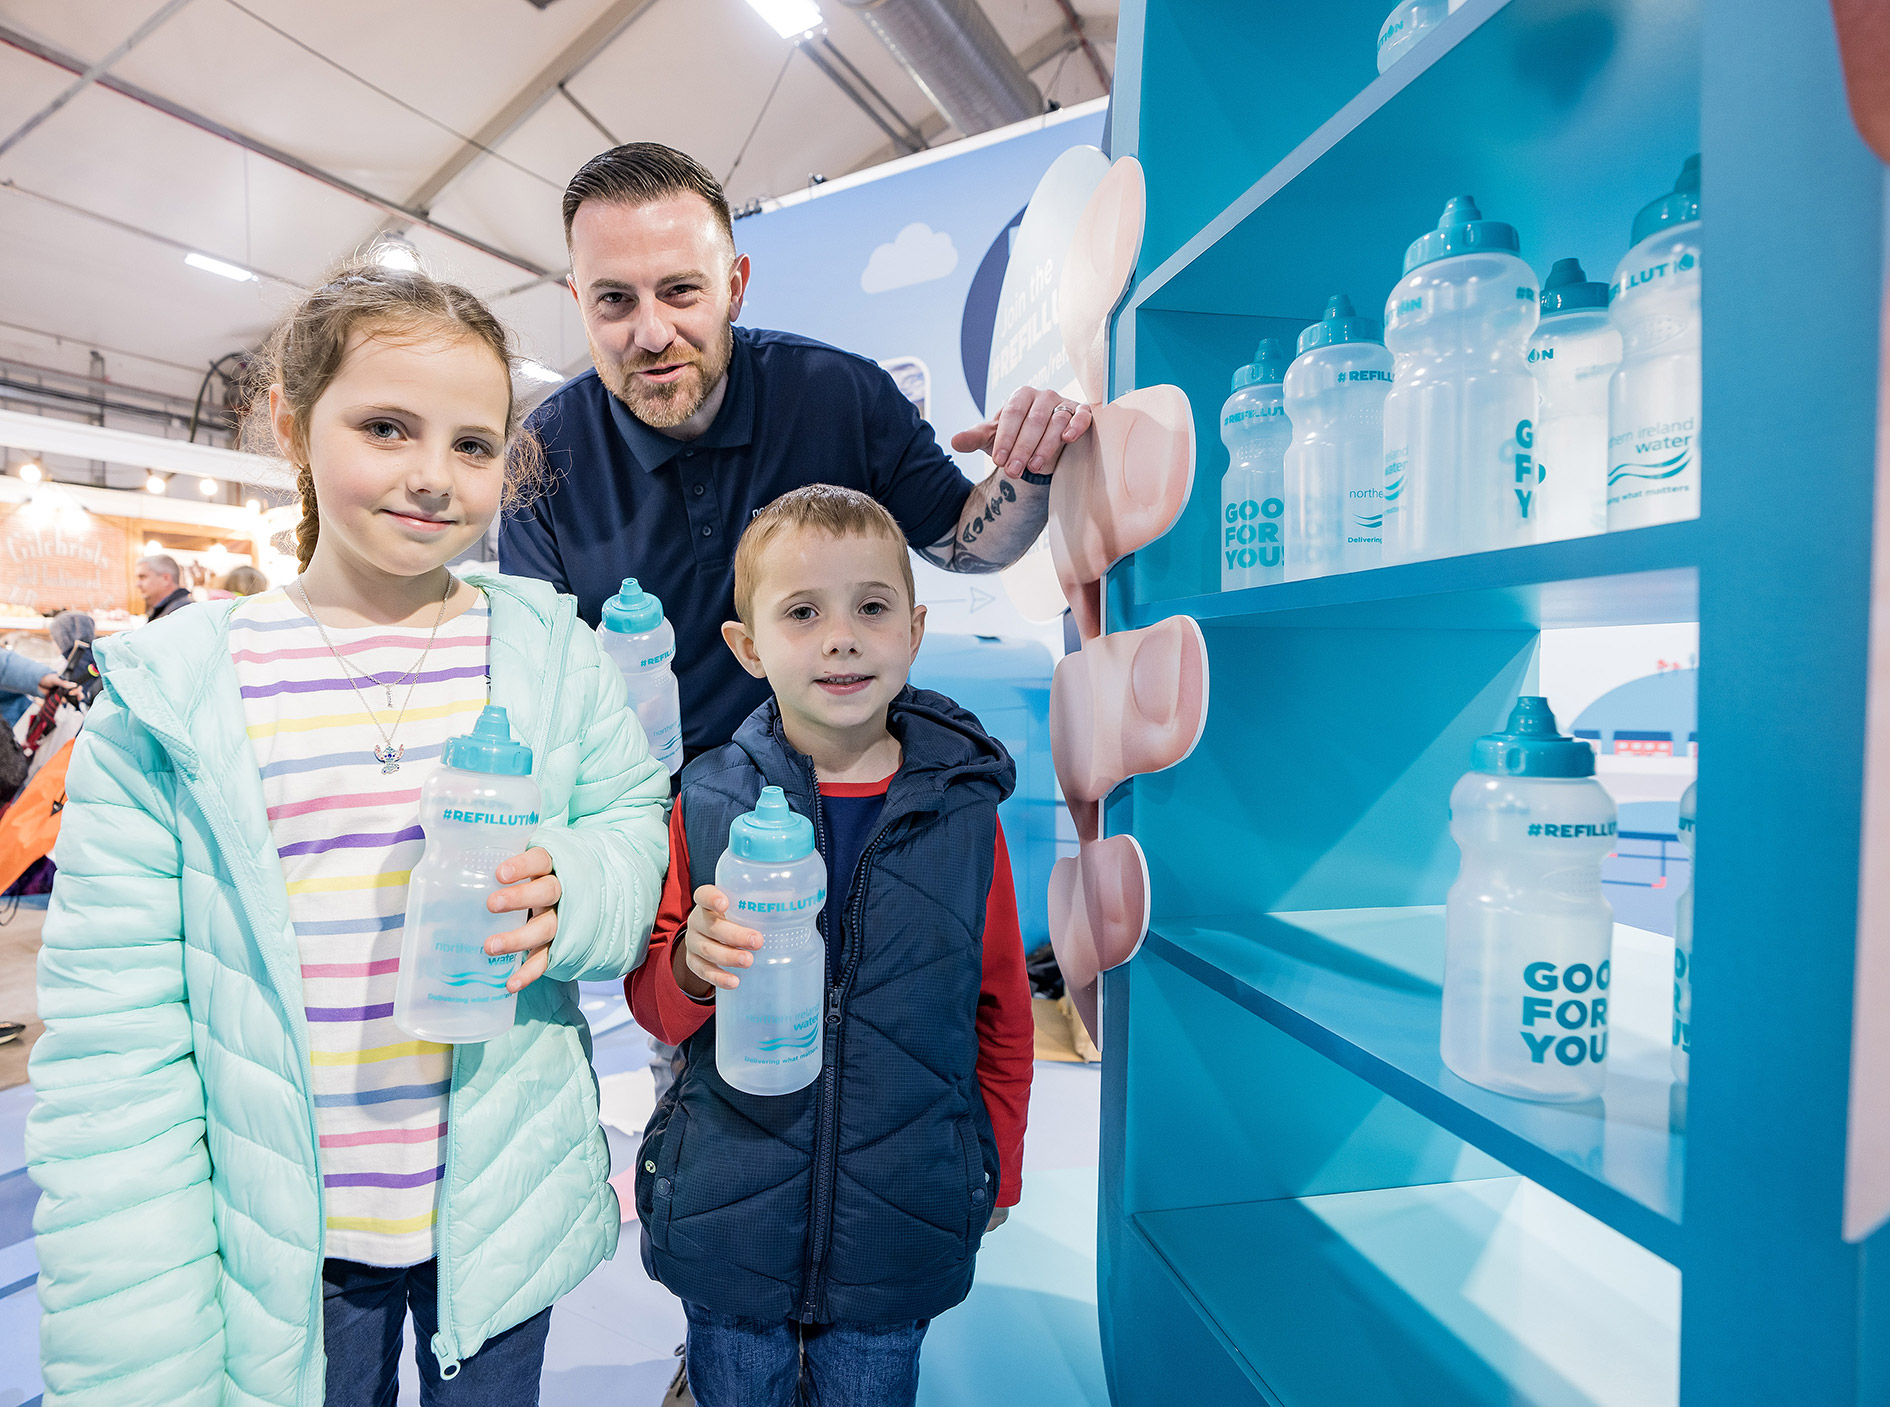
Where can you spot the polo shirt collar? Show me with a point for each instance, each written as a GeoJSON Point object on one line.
{"type": "Point", "coordinates": [733, 426]}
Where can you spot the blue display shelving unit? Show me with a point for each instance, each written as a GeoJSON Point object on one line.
{"type": "Point", "coordinates": [1300, 1206]}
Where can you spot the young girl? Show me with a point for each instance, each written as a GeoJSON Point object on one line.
{"type": "Point", "coordinates": [252, 1175]}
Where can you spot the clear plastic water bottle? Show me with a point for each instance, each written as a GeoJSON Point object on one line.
{"type": "Point", "coordinates": [1460, 471]}
{"type": "Point", "coordinates": [1529, 936]}
{"type": "Point", "coordinates": [637, 638]}
{"type": "Point", "coordinates": [1407, 24]}
{"type": "Point", "coordinates": [1573, 355]}
{"type": "Point", "coordinates": [1253, 501]}
{"type": "Point", "coordinates": [1683, 946]}
{"type": "Point", "coordinates": [1335, 467]}
{"type": "Point", "coordinates": [1654, 399]}
{"type": "Point", "coordinates": [768, 1028]}
{"type": "Point", "coordinates": [478, 809]}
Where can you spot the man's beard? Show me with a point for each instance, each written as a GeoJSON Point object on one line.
{"type": "Point", "coordinates": [665, 407]}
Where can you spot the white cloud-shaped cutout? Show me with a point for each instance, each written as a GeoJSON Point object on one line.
{"type": "Point", "coordinates": [918, 255]}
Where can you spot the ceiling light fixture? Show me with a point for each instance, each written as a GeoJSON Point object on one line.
{"type": "Point", "coordinates": [207, 487]}
{"type": "Point", "coordinates": [156, 483]}
{"type": "Point", "coordinates": [254, 505]}
{"type": "Point", "coordinates": [538, 371]}
{"type": "Point", "coordinates": [217, 266]}
{"type": "Point", "coordinates": [392, 251]}
{"type": "Point", "coordinates": [31, 473]}
{"type": "Point", "coordinates": [790, 18]}
{"type": "Point", "coordinates": [153, 547]}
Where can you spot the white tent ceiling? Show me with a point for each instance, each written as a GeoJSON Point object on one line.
{"type": "Point", "coordinates": [100, 202]}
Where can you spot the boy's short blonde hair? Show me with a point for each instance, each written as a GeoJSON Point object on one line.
{"type": "Point", "coordinates": [822, 508]}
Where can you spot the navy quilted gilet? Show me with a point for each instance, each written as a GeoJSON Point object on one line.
{"type": "Point", "coordinates": [861, 1198]}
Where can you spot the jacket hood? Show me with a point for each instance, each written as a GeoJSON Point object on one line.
{"type": "Point", "coordinates": [157, 670]}
{"type": "Point", "coordinates": [944, 744]}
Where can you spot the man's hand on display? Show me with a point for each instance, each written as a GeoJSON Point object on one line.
{"type": "Point", "coordinates": [58, 683]}
{"type": "Point", "coordinates": [1029, 433]}
{"type": "Point", "coordinates": [998, 1218]}
{"type": "Point", "coordinates": [530, 886]}
{"type": "Point", "coordinates": [712, 944]}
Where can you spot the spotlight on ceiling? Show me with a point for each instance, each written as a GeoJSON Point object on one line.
{"type": "Point", "coordinates": [156, 483]}
{"type": "Point", "coordinates": [207, 487]}
{"type": "Point", "coordinates": [790, 18]}
{"type": "Point", "coordinates": [392, 251]}
{"type": "Point", "coordinates": [153, 547]}
{"type": "Point", "coordinates": [253, 505]}
{"type": "Point", "coordinates": [31, 473]}
{"type": "Point", "coordinates": [217, 266]}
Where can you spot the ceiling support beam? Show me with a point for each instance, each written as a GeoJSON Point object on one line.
{"type": "Point", "coordinates": [1078, 27]}
{"type": "Point", "coordinates": [126, 227]}
{"type": "Point", "coordinates": [91, 75]}
{"type": "Point", "coordinates": [598, 36]}
{"type": "Point", "coordinates": [48, 54]}
{"type": "Point", "coordinates": [907, 144]}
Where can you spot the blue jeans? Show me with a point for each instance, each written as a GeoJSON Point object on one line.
{"type": "Point", "coordinates": [738, 1362]}
{"type": "Point", "coordinates": [364, 1315]}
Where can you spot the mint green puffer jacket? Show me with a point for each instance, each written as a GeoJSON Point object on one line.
{"type": "Point", "coordinates": [180, 1234]}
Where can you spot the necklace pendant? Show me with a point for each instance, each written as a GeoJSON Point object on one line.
{"type": "Point", "coordinates": [389, 756]}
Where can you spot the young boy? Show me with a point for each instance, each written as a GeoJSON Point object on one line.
{"type": "Point", "coordinates": [818, 1232]}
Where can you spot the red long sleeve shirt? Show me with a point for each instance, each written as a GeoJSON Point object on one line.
{"type": "Point", "coordinates": [1006, 1032]}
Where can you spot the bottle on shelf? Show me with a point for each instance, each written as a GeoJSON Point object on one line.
{"type": "Point", "coordinates": [768, 1028]}
{"type": "Point", "coordinates": [1683, 945]}
{"type": "Point", "coordinates": [640, 642]}
{"type": "Point", "coordinates": [1654, 399]}
{"type": "Point", "coordinates": [478, 809]}
{"type": "Point", "coordinates": [1529, 936]}
{"type": "Point", "coordinates": [1335, 466]}
{"type": "Point", "coordinates": [1573, 355]}
{"type": "Point", "coordinates": [1253, 491]}
{"type": "Point", "coordinates": [1460, 473]}
{"type": "Point", "coordinates": [1407, 24]}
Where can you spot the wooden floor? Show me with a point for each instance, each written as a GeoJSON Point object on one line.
{"type": "Point", "coordinates": [19, 949]}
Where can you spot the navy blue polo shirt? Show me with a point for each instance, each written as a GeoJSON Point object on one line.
{"type": "Point", "coordinates": [627, 500]}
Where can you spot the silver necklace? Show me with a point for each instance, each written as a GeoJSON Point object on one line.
{"type": "Point", "coordinates": [390, 752]}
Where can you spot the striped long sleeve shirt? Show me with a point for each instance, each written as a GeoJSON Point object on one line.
{"type": "Point", "coordinates": [348, 832]}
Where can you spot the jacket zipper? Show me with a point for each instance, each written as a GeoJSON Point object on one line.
{"type": "Point", "coordinates": [445, 1345]}
{"type": "Point", "coordinates": [826, 1141]}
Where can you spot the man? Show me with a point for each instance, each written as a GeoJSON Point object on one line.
{"type": "Point", "coordinates": [688, 425]}
{"type": "Point", "coordinates": [158, 578]}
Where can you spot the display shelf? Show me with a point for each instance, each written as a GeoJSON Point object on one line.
{"type": "Point", "coordinates": [1640, 577]}
{"type": "Point", "coordinates": [1602, 99]}
{"type": "Point", "coordinates": [1364, 988]}
{"type": "Point", "coordinates": [1454, 1294]}
{"type": "Point", "coordinates": [1254, 1064]}
{"type": "Point", "coordinates": [1507, 102]}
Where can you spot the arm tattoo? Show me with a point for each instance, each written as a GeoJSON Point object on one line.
{"type": "Point", "coordinates": [1001, 519]}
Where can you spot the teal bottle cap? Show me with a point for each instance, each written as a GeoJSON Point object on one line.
{"type": "Point", "coordinates": [1531, 747]}
{"type": "Point", "coordinates": [771, 832]}
{"type": "Point", "coordinates": [489, 747]}
{"type": "Point", "coordinates": [1568, 290]}
{"type": "Point", "coordinates": [1340, 324]}
{"type": "Point", "coordinates": [1461, 229]}
{"type": "Point", "coordinates": [1677, 207]}
{"type": "Point", "coordinates": [1268, 367]}
{"type": "Point", "coordinates": [632, 610]}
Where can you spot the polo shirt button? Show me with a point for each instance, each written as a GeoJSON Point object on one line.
{"type": "Point", "coordinates": [697, 490]}
{"type": "Point", "coordinates": [708, 531]}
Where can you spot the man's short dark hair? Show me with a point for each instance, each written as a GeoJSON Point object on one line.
{"type": "Point", "coordinates": [637, 173]}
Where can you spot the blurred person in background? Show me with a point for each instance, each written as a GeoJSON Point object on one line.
{"type": "Point", "coordinates": [23, 679]}
{"type": "Point", "coordinates": [160, 583]}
